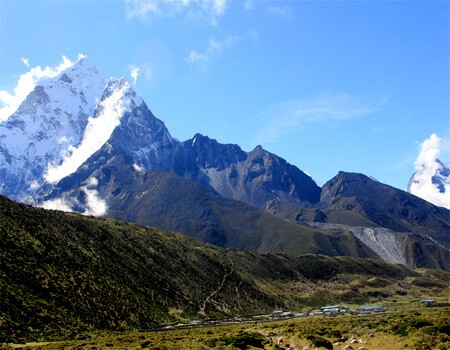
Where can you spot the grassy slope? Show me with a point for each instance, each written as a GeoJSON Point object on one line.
{"type": "Point", "coordinates": [62, 274]}
{"type": "Point", "coordinates": [408, 326]}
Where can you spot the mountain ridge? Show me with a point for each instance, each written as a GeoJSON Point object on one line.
{"type": "Point", "coordinates": [171, 202]}
{"type": "Point", "coordinates": [121, 124]}
{"type": "Point", "coordinates": [392, 208]}
{"type": "Point", "coordinates": [141, 196]}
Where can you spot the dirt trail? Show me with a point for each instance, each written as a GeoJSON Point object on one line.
{"type": "Point", "coordinates": [222, 284]}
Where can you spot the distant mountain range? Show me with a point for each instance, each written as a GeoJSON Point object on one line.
{"type": "Point", "coordinates": [81, 143]}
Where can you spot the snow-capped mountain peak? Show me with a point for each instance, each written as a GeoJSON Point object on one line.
{"type": "Point", "coordinates": [76, 89]}
{"type": "Point", "coordinates": [442, 177]}
{"type": "Point", "coordinates": [47, 127]}
{"type": "Point", "coordinates": [431, 182]}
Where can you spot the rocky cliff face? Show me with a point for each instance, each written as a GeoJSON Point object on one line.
{"type": "Point", "coordinates": [256, 178]}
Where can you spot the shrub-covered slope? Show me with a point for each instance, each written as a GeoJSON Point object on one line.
{"type": "Point", "coordinates": [64, 273]}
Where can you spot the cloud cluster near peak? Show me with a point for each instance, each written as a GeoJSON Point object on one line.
{"type": "Point", "coordinates": [431, 180]}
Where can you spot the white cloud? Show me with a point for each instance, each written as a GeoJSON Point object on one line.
{"type": "Point", "coordinates": [57, 204]}
{"type": "Point", "coordinates": [144, 70]}
{"type": "Point", "coordinates": [25, 61]}
{"type": "Point", "coordinates": [290, 116]}
{"type": "Point", "coordinates": [134, 73]}
{"type": "Point", "coordinates": [93, 205]}
{"type": "Point", "coordinates": [26, 83]}
{"type": "Point", "coordinates": [98, 131]}
{"type": "Point", "coordinates": [210, 9]}
{"type": "Point", "coordinates": [215, 47]}
{"type": "Point", "coordinates": [426, 167]}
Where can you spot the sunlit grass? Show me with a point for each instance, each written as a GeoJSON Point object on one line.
{"type": "Point", "coordinates": [409, 326]}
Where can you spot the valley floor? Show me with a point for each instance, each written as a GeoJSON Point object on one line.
{"type": "Point", "coordinates": [404, 326]}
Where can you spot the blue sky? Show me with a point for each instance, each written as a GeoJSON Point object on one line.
{"type": "Point", "coordinates": [327, 85]}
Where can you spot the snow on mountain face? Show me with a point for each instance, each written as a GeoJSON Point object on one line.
{"type": "Point", "coordinates": [431, 182]}
{"type": "Point", "coordinates": [442, 177]}
{"type": "Point", "coordinates": [116, 99]}
{"type": "Point", "coordinates": [67, 119]}
{"type": "Point", "coordinates": [46, 127]}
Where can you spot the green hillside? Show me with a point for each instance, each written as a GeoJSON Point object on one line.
{"type": "Point", "coordinates": [63, 274]}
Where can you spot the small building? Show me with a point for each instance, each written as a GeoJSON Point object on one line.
{"type": "Point", "coordinates": [371, 309]}
{"type": "Point", "coordinates": [279, 314]}
{"type": "Point", "coordinates": [195, 322]}
{"type": "Point", "coordinates": [276, 313]}
{"type": "Point", "coordinates": [334, 309]}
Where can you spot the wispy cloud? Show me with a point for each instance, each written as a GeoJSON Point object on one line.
{"type": "Point", "coordinates": [215, 48]}
{"type": "Point", "coordinates": [376, 130]}
{"type": "Point", "coordinates": [147, 70]}
{"type": "Point", "coordinates": [290, 116]}
{"type": "Point", "coordinates": [143, 70]}
{"type": "Point", "coordinates": [25, 61]}
{"type": "Point", "coordinates": [141, 8]}
{"type": "Point", "coordinates": [426, 166]}
{"type": "Point", "coordinates": [9, 102]}
{"type": "Point", "coordinates": [249, 5]}
{"type": "Point", "coordinates": [284, 12]}
{"type": "Point", "coordinates": [134, 73]}
{"type": "Point", "coordinates": [210, 9]}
